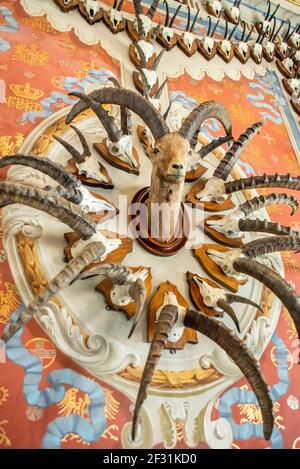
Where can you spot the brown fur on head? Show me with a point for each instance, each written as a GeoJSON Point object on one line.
{"type": "Point", "coordinates": [171, 158]}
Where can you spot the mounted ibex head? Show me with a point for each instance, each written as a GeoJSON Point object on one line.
{"type": "Point", "coordinates": [171, 149]}
{"type": "Point", "coordinates": [143, 23]}
{"type": "Point", "coordinates": [224, 46]}
{"type": "Point", "coordinates": [241, 47]}
{"type": "Point", "coordinates": [215, 6]}
{"type": "Point", "coordinates": [265, 25]}
{"type": "Point", "coordinates": [234, 11]}
{"type": "Point", "coordinates": [207, 44]}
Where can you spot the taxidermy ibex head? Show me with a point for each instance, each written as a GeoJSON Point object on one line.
{"type": "Point", "coordinates": [171, 151]}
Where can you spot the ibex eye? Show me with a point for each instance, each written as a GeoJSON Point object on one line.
{"type": "Point", "coordinates": [156, 150]}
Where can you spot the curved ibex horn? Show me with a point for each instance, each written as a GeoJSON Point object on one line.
{"type": "Point", "coordinates": [219, 333]}
{"type": "Point", "coordinates": [123, 97]}
{"type": "Point", "coordinates": [164, 324]}
{"type": "Point", "coordinates": [262, 201]}
{"type": "Point", "coordinates": [143, 60]}
{"type": "Point", "coordinates": [241, 299]}
{"type": "Point", "coordinates": [167, 13]}
{"type": "Point", "coordinates": [269, 9]}
{"type": "Point", "coordinates": [214, 29]}
{"type": "Point", "coordinates": [120, 5]}
{"type": "Point", "coordinates": [264, 226]}
{"type": "Point", "coordinates": [209, 26]}
{"type": "Point", "coordinates": [226, 29]}
{"type": "Point", "coordinates": [243, 23]}
{"type": "Point", "coordinates": [213, 145]}
{"type": "Point", "coordinates": [152, 9]}
{"type": "Point", "coordinates": [225, 306]}
{"type": "Point", "coordinates": [139, 11]}
{"type": "Point", "coordinates": [194, 21]}
{"type": "Point", "coordinates": [115, 4]}
{"type": "Point", "coordinates": [188, 18]}
{"type": "Point", "coordinates": [125, 114]}
{"type": "Point", "coordinates": [160, 89]}
{"type": "Point", "coordinates": [272, 280]}
{"type": "Point", "coordinates": [287, 32]}
{"type": "Point", "coordinates": [277, 32]}
{"type": "Point", "coordinates": [232, 155]}
{"type": "Point", "coordinates": [108, 122]}
{"type": "Point", "coordinates": [53, 170]}
{"type": "Point", "coordinates": [78, 157]}
{"type": "Point", "coordinates": [157, 60]}
{"type": "Point", "coordinates": [273, 180]}
{"type": "Point", "coordinates": [202, 112]}
{"type": "Point", "coordinates": [65, 277]}
{"type": "Point", "coordinates": [249, 34]}
{"type": "Point", "coordinates": [232, 32]}
{"type": "Point", "coordinates": [65, 211]}
{"type": "Point", "coordinates": [262, 246]}
{"type": "Point", "coordinates": [174, 16]}
{"type": "Point", "coordinates": [274, 12]}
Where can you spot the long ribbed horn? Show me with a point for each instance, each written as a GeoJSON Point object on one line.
{"type": "Point", "coordinates": [120, 5]}
{"type": "Point", "coordinates": [139, 11]}
{"type": "Point", "coordinates": [260, 33]}
{"type": "Point", "coordinates": [108, 122]}
{"type": "Point", "coordinates": [217, 332]}
{"type": "Point", "coordinates": [188, 18]}
{"type": "Point", "coordinates": [213, 145]}
{"type": "Point", "coordinates": [241, 299]}
{"type": "Point", "coordinates": [65, 211]}
{"type": "Point", "coordinates": [85, 148]}
{"type": "Point", "coordinates": [273, 180]}
{"type": "Point", "coordinates": [123, 97]}
{"type": "Point", "coordinates": [194, 21]}
{"type": "Point", "coordinates": [272, 280]}
{"type": "Point", "coordinates": [174, 16]}
{"type": "Point", "coordinates": [115, 4]}
{"type": "Point", "coordinates": [262, 246]}
{"type": "Point", "coordinates": [152, 9]}
{"type": "Point", "coordinates": [232, 155]}
{"type": "Point", "coordinates": [125, 114]}
{"type": "Point", "coordinates": [273, 30]}
{"type": "Point", "coordinates": [78, 157]}
{"type": "Point", "coordinates": [224, 306]}
{"type": "Point", "coordinates": [262, 201]}
{"type": "Point", "coordinates": [53, 170]}
{"type": "Point", "coordinates": [165, 322]}
{"type": "Point", "coordinates": [90, 254]}
{"type": "Point", "coordinates": [158, 59]}
{"type": "Point", "coordinates": [202, 112]}
{"type": "Point", "coordinates": [166, 113]}
{"type": "Point", "coordinates": [146, 87]}
{"type": "Point", "coordinates": [264, 226]}
{"type": "Point", "coordinates": [160, 89]}
{"type": "Point", "coordinates": [268, 11]}
{"type": "Point", "coordinates": [167, 13]}
{"type": "Point", "coordinates": [143, 60]}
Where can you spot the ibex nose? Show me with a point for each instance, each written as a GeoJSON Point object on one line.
{"type": "Point", "coordinates": [177, 166]}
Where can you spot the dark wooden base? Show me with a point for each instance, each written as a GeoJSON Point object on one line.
{"type": "Point", "coordinates": [295, 106]}
{"type": "Point", "coordinates": [284, 71]}
{"type": "Point", "coordinates": [211, 11]}
{"type": "Point", "coordinates": [240, 56]}
{"type": "Point", "coordinates": [114, 257]}
{"type": "Point", "coordinates": [224, 56]}
{"type": "Point", "coordinates": [72, 168]}
{"type": "Point", "coordinates": [269, 58]}
{"type": "Point", "coordinates": [166, 45]}
{"type": "Point", "coordinates": [196, 296]}
{"type": "Point", "coordinates": [189, 335]}
{"type": "Point", "coordinates": [184, 49]}
{"type": "Point", "coordinates": [203, 51]}
{"type": "Point", "coordinates": [287, 87]}
{"type": "Point", "coordinates": [86, 16]}
{"type": "Point", "coordinates": [255, 58]}
{"type": "Point", "coordinates": [279, 54]}
{"type": "Point", "coordinates": [129, 310]}
{"type": "Point", "coordinates": [134, 35]}
{"type": "Point", "coordinates": [208, 206]}
{"type": "Point", "coordinates": [103, 151]}
{"type": "Point", "coordinates": [101, 217]}
{"type": "Point", "coordinates": [214, 270]}
{"type": "Point", "coordinates": [121, 26]}
{"type": "Point", "coordinates": [230, 17]}
{"type": "Point", "coordinates": [136, 61]}
{"type": "Point", "coordinates": [152, 245]}
{"type": "Point", "coordinates": [65, 8]}
{"type": "Point", "coordinates": [219, 237]}
{"type": "Point", "coordinates": [140, 87]}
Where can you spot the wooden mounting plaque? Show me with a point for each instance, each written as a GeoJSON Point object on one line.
{"type": "Point", "coordinates": [103, 151]}
{"type": "Point", "coordinates": [269, 58]}
{"type": "Point", "coordinates": [223, 55]}
{"type": "Point", "coordinates": [114, 257]}
{"type": "Point", "coordinates": [184, 49]}
{"type": "Point", "coordinates": [204, 52]}
{"type": "Point", "coordinates": [254, 57]}
{"type": "Point", "coordinates": [230, 18]}
{"type": "Point", "coordinates": [165, 44]}
{"type": "Point", "coordinates": [211, 11]}
{"type": "Point", "coordinates": [214, 270]}
{"type": "Point", "coordinates": [220, 237]}
{"type": "Point", "coordinates": [295, 106]}
{"type": "Point", "coordinates": [194, 174]}
{"type": "Point", "coordinates": [279, 54]}
{"type": "Point", "coordinates": [189, 335]}
{"type": "Point", "coordinates": [134, 35]}
{"type": "Point", "coordinates": [152, 245]}
{"type": "Point", "coordinates": [284, 71]}
{"type": "Point", "coordinates": [136, 61]}
{"type": "Point", "coordinates": [140, 87]}
{"type": "Point", "coordinates": [287, 87]}
{"type": "Point", "coordinates": [208, 206]}
{"type": "Point", "coordinates": [65, 8]}
{"type": "Point", "coordinates": [72, 168]}
{"type": "Point", "coordinates": [106, 286]}
{"type": "Point", "coordinates": [121, 26]}
{"type": "Point", "coordinates": [100, 217]}
{"type": "Point", "coordinates": [196, 296]}
{"type": "Point", "coordinates": [87, 17]}
{"type": "Point", "coordinates": [240, 56]}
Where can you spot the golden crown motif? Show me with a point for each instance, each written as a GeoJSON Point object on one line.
{"type": "Point", "coordinates": [25, 91]}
